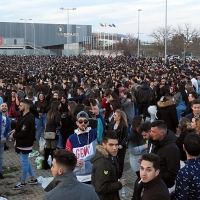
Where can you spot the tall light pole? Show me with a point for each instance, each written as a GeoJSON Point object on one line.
{"type": "Point", "coordinates": [68, 9]}
{"type": "Point", "coordinates": [25, 32]}
{"type": "Point", "coordinates": [139, 32]}
{"type": "Point", "coordinates": [77, 28]}
{"type": "Point", "coordinates": [166, 32]}
{"type": "Point", "coordinates": [33, 37]}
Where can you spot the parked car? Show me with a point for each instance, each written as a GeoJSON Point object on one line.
{"type": "Point", "coordinates": [174, 57]}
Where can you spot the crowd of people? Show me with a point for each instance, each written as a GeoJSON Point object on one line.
{"type": "Point", "coordinates": [97, 108]}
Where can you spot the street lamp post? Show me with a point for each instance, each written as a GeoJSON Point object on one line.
{"type": "Point", "coordinates": [139, 32]}
{"type": "Point", "coordinates": [25, 32]}
{"type": "Point", "coordinates": [33, 37]}
{"type": "Point", "coordinates": [166, 32]}
{"type": "Point", "coordinates": [77, 28]}
{"type": "Point", "coordinates": [68, 9]}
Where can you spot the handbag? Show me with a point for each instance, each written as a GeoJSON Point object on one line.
{"type": "Point", "coordinates": [49, 135]}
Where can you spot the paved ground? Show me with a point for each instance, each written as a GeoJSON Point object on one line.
{"type": "Point", "coordinates": [36, 192]}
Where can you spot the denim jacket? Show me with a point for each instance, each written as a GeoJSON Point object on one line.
{"type": "Point", "coordinates": [8, 127]}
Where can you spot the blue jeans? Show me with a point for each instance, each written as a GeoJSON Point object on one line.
{"type": "Point", "coordinates": [1, 155]}
{"type": "Point", "coordinates": [40, 123]}
{"type": "Point", "coordinates": [26, 166]}
{"type": "Point", "coordinates": [179, 111]}
{"type": "Point", "coordinates": [60, 143]}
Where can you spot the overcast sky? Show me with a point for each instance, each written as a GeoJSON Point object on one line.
{"type": "Point", "coordinates": [124, 14]}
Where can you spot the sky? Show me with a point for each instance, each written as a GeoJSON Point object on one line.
{"type": "Point", "coordinates": [124, 14]}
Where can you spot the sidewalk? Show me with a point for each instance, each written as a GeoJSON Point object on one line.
{"type": "Point", "coordinates": [36, 192]}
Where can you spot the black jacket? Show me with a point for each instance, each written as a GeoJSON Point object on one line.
{"type": "Point", "coordinates": [122, 132]}
{"type": "Point", "coordinates": [51, 127]}
{"type": "Point", "coordinates": [156, 189]}
{"type": "Point", "coordinates": [41, 106]}
{"type": "Point", "coordinates": [68, 125]}
{"type": "Point", "coordinates": [167, 112]}
{"type": "Point", "coordinates": [143, 94]}
{"type": "Point", "coordinates": [179, 143]}
{"type": "Point", "coordinates": [169, 155]}
{"type": "Point", "coordinates": [25, 131]}
{"type": "Point", "coordinates": [105, 174]}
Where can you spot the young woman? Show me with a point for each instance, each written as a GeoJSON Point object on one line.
{"type": "Point", "coordinates": [114, 105]}
{"type": "Point", "coordinates": [183, 100]}
{"type": "Point", "coordinates": [13, 103]}
{"type": "Point", "coordinates": [52, 123]}
{"type": "Point", "coordinates": [63, 111]}
{"type": "Point", "coordinates": [184, 128]}
{"type": "Point", "coordinates": [40, 122]}
{"type": "Point", "coordinates": [105, 103]}
{"type": "Point", "coordinates": [98, 98]}
{"type": "Point", "coordinates": [120, 125]}
{"type": "Point", "coordinates": [128, 107]}
{"type": "Point", "coordinates": [68, 122]}
{"type": "Point", "coordinates": [195, 124]}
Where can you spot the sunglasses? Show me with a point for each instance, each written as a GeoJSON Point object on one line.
{"type": "Point", "coordinates": [83, 121]}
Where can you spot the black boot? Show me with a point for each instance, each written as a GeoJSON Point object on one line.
{"type": "Point", "coordinates": [46, 156]}
{"type": "Point", "coordinates": [52, 151]}
{"type": "Point", "coordinates": [5, 147]}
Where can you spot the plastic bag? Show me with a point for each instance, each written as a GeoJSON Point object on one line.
{"type": "Point", "coordinates": [42, 143]}
{"type": "Point", "coordinates": [33, 153]}
{"type": "Point", "coordinates": [39, 162]}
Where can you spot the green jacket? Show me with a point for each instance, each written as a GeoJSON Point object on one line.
{"type": "Point", "coordinates": [105, 175]}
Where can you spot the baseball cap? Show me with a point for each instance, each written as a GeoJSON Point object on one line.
{"type": "Point", "coordinates": [82, 114]}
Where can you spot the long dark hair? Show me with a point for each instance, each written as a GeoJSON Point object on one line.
{"type": "Point", "coordinates": [137, 120]}
{"type": "Point", "coordinates": [72, 105]}
{"type": "Point", "coordinates": [115, 104]}
{"type": "Point", "coordinates": [181, 89]}
{"type": "Point", "coordinates": [52, 111]}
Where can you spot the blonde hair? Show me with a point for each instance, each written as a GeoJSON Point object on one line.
{"type": "Point", "coordinates": [185, 125]}
{"type": "Point", "coordinates": [197, 120]}
{"type": "Point", "coordinates": [123, 118]}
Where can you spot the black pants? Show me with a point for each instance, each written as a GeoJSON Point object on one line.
{"type": "Point", "coordinates": [142, 109]}
{"type": "Point", "coordinates": [121, 156]}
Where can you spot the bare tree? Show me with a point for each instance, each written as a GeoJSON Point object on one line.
{"type": "Point", "coordinates": [159, 36]}
{"type": "Point", "coordinates": [188, 31]}
{"type": "Point", "coordinates": [177, 44]}
{"type": "Point", "coordinates": [191, 36]}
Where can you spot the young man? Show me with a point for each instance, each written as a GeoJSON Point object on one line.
{"type": "Point", "coordinates": [144, 129]}
{"type": "Point", "coordinates": [81, 96]}
{"type": "Point", "coordinates": [165, 147]}
{"type": "Point", "coordinates": [5, 129]}
{"type": "Point", "coordinates": [154, 187]}
{"type": "Point", "coordinates": [188, 177]}
{"type": "Point", "coordinates": [65, 184]}
{"type": "Point", "coordinates": [195, 105]}
{"type": "Point", "coordinates": [24, 136]}
{"type": "Point", "coordinates": [105, 170]}
{"type": "Point", "coordinates": [191, 97]}
{"type": "Point", "coordinates": [84, 141]}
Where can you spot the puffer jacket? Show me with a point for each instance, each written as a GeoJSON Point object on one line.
{"type": "Point", "coordinates": [167, 112]}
